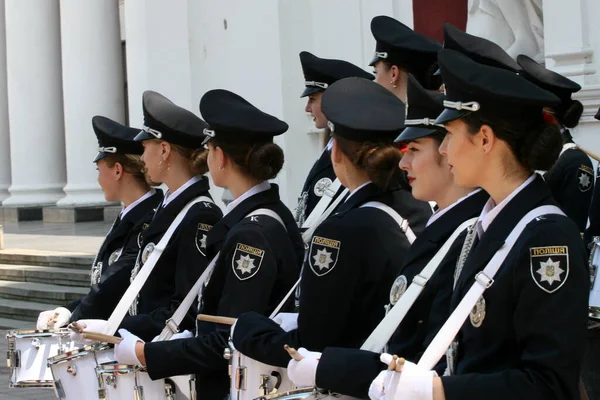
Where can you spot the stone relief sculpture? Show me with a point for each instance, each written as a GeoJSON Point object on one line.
{"type": "Point", "coordinates": [516, 25]}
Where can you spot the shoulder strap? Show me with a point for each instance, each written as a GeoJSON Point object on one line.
{"type": "Point", "coordinates": [403, 223]}
{"type": "Point", "coordinates": [323, 204]}
{"type": "Point", "coordinates": [386, 328]}
{"type": "Point", "coordinates": [483, 280]}
{"type": "Point", "coordinates": [140, 279]}
{"type": "Point", "coordinates": [567, 146]}
{"type": "Point", "coordinates": [172, 324]}
{"type": "Point", "coordinates": [269, 213]}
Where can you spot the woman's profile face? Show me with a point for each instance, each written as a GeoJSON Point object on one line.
{"type": "Point", "coordinates": [153, 161]}
{"type": "Point", "coordinates": [465, 159]}
{"type": "Point", "coordinates": [107, 179]}
{"type": "Point", "coordinates": [313, 107]}
{"type": "Point", "coordinates": [214, 161]}
{"type": "Point", "coordinates": [427, 171]}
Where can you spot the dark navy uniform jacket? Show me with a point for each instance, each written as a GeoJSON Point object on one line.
{"type": "Point", "coordinates": [116, 257]}
{"type": "Point", "coordinates": [352, 260]}
{"type": "Point", "coordinates": [321, 171]}
{"type": "Point", "coordinates": [260, 261]}
{"type": "Point", "coordinates": [180, 265]}
{"type": "Point", "coordinates": [532, 336]}
{"type": "Point", "coordinates": [571, 181]}
{"type": "Point", "coordinates": [351, 371]}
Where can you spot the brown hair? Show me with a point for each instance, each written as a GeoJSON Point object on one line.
{"type": "Point", "coordinates": [260, 160]}
{"type": "Point", "coordinates": [535, 144]}
{"type": "Point", "coordinates": [379, 159]}
{"type": "Point", "coordinates": [196, 157]}
{"type": "Point", "coordinates": [131, 163]}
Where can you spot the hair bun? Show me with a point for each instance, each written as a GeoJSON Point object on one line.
{"type": "Point", "coordinates": [265, 161]}
{"type": "Point", "coordinates": [542, 148]}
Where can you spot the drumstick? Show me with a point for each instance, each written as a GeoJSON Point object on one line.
{"type": "Point", "coordinates": [589, 153]}
{"type": "Point", "coordinates": [100, 337]}
{"type": "Point", "coordinates": [74, 326]}
{"type": "Point", "coordinates": [293, 353]}
{"type": "Point", "coordinates": [216, 319]}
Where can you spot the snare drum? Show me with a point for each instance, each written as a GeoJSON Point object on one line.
{"type": "Point", "coordinates": [27, 356]}
{"type": "Point", "coordinates": [132, 382]}
{"type": "Point", "coordinates": [75, 375]}
{"type": "Point", "coordinates": [297, 394]}
{"type": "Point", "coordinates": [251, 379]}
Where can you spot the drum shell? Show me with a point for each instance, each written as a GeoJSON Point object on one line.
{"type": "Point", "coordinates": [28, 352]}
{"type": "Point", "coordinates": [249, 377]}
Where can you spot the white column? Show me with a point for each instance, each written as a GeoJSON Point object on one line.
{"type": "Point", "coordinates": [34, 102]}
{"type": "Point", "coordinates": [93, 84]}
{"type": "Point", "coordinates": [158, 53]}
{"type": "Point", "coordinates": [4, 126]}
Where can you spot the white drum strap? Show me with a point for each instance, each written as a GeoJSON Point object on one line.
{"type": "Point", "coordinates": [134, 288]}
{"type": "Point", "coordinates": [172, 324]}
{"type": "Point", "coordinates": [388, 325]}
{"type": "Point", "coordinates": [483, 280]}
{"type": "Point", "coordinates": [403, 223]}
{"type": "Point", "coordinates": [323, 204]}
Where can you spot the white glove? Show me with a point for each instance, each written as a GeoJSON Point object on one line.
{"type": "Point", "coordinates": [380, 383]}
{"type": "Point", "coordinates": [125, 351]}
{"type": "Point", "coordinates": [44, 319]}
{"type": "Point", "coordinates": [54, 319]}
{"type": "Point", "coordinates": [415, 383]}
{"type": "Point", "coordinates": [287, 321]}
{"type": "Point", "coordinates": [303, 373]}
{"type": "Point", "coordinates": [87, 325]}
{"type": "Point", "coordinates": [181, 335]}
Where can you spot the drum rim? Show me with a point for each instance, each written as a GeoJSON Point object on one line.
{"type": "Point", "coordinates": [31, 383]}
{"type": "Point", "coordinates": [308, 391]}
{"type": "Point", "coordinates": [120, 368]}
{"type": "Point", "coordinates": [76, 353]}
{"type": "Point", "coordinates": [24, 334]}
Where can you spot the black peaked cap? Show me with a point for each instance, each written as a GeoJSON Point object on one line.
{"type": "Point", "coordinates": [232, 118]}
{"type": "Point", "coordinates": [319, 73]}
{"type": "Point", "coordinates": [495, 92]}
{"type": "Point", "coordinates": [165, 120]}
{"type": "Point", "coordinates": [362, 110]}
{"type": "Point", "coordinates": [114, 137]}
{"type": "Point", "coordinates": [478, 49]}
{"type": "Point", "coordinates": [423, 108]}
{"type": "Point", "coordinates": [553, 82]}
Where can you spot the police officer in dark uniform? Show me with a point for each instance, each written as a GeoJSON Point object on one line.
{"type": "Point", "coordinates": [260, 253]}
{"type": "Point", "coordinates": [593, 228]}
{"type": "Point", "coordinates": [351, 371]}
{"type": "Point", "coordinates": [525, 336]}
{"type": "Point", "coordinates": [400, 51]}
{"type": "Point", "coordinates": [355, 254]}
{"type": "Point", "coordinates": [319, 73]}
{"type": "Point", "coordinates": [571, 179]}
{"type": "Point", "coordinates": [173, 154]}
{"type": "Point", "coordinates": [121, 177]}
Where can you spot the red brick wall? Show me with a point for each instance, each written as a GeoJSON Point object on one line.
{"type": "Point", "coordinates": [429, 16]}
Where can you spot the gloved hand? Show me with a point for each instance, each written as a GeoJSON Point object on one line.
{"type": "Point", "coordinates": [87, 325]}
{"type": "Point", "coordinates": [181, 335]}
{"type": "Point", "coordinates": [53, 319]}
{"type": "Point", "coordinates": [414, 383]}
{"type": "Point", "coordinates": [304, 372]}
{"type": "Point", "coordinates": [287, 321]}
{"type": "Point", "coordinates": [386, 378]}
{"type": "Point", "coordinates": [125, 351]}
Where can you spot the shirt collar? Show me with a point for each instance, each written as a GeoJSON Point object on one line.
{"type": "Point", "coordinates": [356, 190]}
{"type": "Point", "coordinates": [436, 215]}
{"type": "Point", "coordinates": [491, 210]}
{"type": "Point", "coordinates": [135, 203]}
{"type": "Point", "coordinates": [169, 197]}
{"type": "Point", "coordinates": [261, 187]}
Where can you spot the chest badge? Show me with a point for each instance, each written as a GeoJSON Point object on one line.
{"type": "Point", "coordinates": [114, 256]}
{"type": "Point", "coordinates": [321, 186]}
{"type": "Point", "coordinates": [478, 313]}
{"type": "Point", "coordinates": [146, 252]}
{"type": "Point", "coordinates": [549, 267]}
{"type": "Point", "coordinates": [398, 288]}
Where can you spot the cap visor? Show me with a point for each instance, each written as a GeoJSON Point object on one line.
{"type": "Point", "coordinates": [414, 132]}
{"type": "Point", "coordinates": [374, 61]}
{"type": "Point", "coordinates": [437, 72]}
{"type": "Point", "coordinates": [597, 116]}
{"type": "Point", "coordinates": [100, 156]}
{"type": "Point", "coordinates": [310, 90]}
{"type": "Point", "coordinates": [449, 115]}
{"type": "Point", "coordinates": [143, 135]}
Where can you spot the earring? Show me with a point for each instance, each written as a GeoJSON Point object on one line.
{"type": "Point", "coordinates": [160, 164]}
{"type": "Point", "coordinates": [221, 168]}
